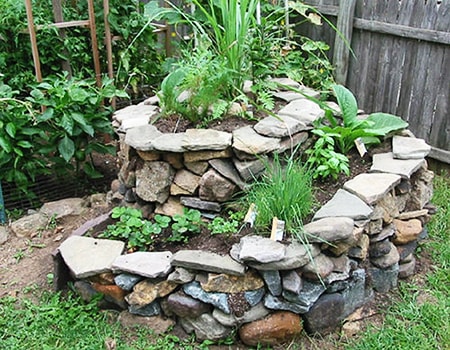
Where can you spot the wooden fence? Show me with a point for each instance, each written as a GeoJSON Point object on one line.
{"type": "Point", "coordinates": [400, 60]}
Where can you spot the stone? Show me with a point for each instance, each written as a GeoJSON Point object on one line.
{"type": "Point", "coordinates": [386, 163]}
{"type": "Point", "coordinates": [344, 204]}
{"type": "Point", "coordinates": [291, 143]}
{"type": "Point", "coordinates": [127, 281]}
{"type": "Point", "coordinates": [325, 315]}
{"type": "Point", "coordinates": [378, 249]}
{"type": "Point", "coordinates": [330, 229]}
{"type": "Point", "coordinates": [375, 227]}
{"type": "Point", "coordinates": [85, 290]}
{"type": "Point", "coordinates": [141, 137]}
{"type": "Point", "coordinates": [224, 283]}
{"type": "Point", "coordinates": [387, 260]}
{"type": "Point", "coordinates": [226, 168]}
{"type": "Point", "coordinates": [199, 156]}
{"type": "Point", "coordinates": [409, 148]}
{"type": "Point", "coordinates": [303, 110]}
{"type": "Point", "coordinates": [273, 281]}
{"type": "Point", "coordinates": [383, 280]}
{"type": "Point", "coordinates": [250, 169]}
{"type": "Point", "coordinates": [170, 142]}
{"type": "Point", "coordinates": [198, 168]}
{"type": "Point", "coordinates": [174, 159]}
{"type": "Point", "coordinates": [231, 320]}
{"type": "Point", "coordinates": [355, 293]}
{"type": "Point", "coordinates": [288, 96]}
{"type": "Point", "coordinates": [3, 234]}
{"type": "Point", "coordinates": [361, 249]}
{"type": "Point", "coordinates": [254, 297]}
{"type": "Point", "coordinates": [406, 250]}
{"type": "Point", "coordinates": [279, 126]}
{"type": "Point", "coordinates": [412, 214]}
{"type": "Point", "coordinates": [260, 249]}
{"type": "Point", "coordinates": [205, 327]}
{"type": "Point", "coordinates": [407, 231]}
{"type": "Point", "coordinates": [309, 294]}
{"type": "Point", "coordinates": [197, 203]}
{"type": "Point", "coordinates": [64, 207]}
{"type": "Point", "coordinates": [130, 196]}
{"type": "Point", "coordinates": [340, 247]}
{"type": "Point", "coordinates": [153, 181]}
{"type": "Point", "coordinates": [388, 205]}
{"type": "Point", "coordinates": [112, 293]}
{"type": "Point", "coordinates": [277, 328]}
{"type": "Point", "coordinates": [86, 256]}
{"type": "Point", "coordinates": [386, 232]}
{"type": "Point", "coordinates": [149, 156]}
{"type": "Point", "coordinates": [187, 181]}
{"type": "Point", "coordinates": [372, 187]}
{"type": "Point", "coordinates": [407, 269]}
{"type": "Point", "coordinates": [297, 255]}
{"type": "Point", "coordinates": [134, 111]}
{"type": "Point", "coordinates": [207, 261]}
{"type": "Point", "coordinates": [152, 309]}
{"type": "Point", "coordinates": [319, 268]}
{"type": "Point", "coordinates": [206, 139]}
{"type": "Point", "coordinates": [247, 140]}
{"type": "Point", "coordinates": [29, 225]}
{"type": "Point", "coordinates": [157, 324]}
{"type": "Point", "coordinates": [170, 208]}
{"type": "Point", "coordinates": [146, 291]}
{"type": "Point", "coordinates": [218, 300]}
{"type": "Point", "coordinates": [183, 305]}
{"type": "Point", "coordinates": [147, 264]}
{"type": "Point", "coordinates": [181, 276]}
{"type": "Point", "coordinates": [215, 188]}
{"type": "Point", "coordinates": [291, 281]}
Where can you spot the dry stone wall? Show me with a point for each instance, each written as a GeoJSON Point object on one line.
{"type": "Point", "coordinates": [360, 242]}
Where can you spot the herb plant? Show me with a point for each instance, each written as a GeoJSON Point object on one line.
{"type": "Point", "coordinates": [228, 225]}
{"type": "Point", "coordinates": [189, 222]}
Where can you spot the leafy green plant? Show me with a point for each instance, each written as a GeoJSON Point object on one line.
{"type": "Point", "coordinates": [284, 191]}
{"type": "Point", "coordinates": [228, 225]}
{"type": "Point", "coordinates": [189, 222]}
{"type": "Point", "coordinates": [139, 233]}
{"type": "Point", "coordinates": [322, 160]}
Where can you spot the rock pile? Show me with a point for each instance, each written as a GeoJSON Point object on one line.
{"type": "Point", "coordinates": [359, 243]}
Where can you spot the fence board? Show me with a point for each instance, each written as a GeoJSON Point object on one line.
{"type": "Point", "coordinates": [401, 63]}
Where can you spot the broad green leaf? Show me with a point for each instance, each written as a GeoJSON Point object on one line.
{"type": "Point", "coordinates": [385, 123]}
{"type": "Point", "coordinates": [48, 114]}
{"type": "Point", "coordinates": [45, 86]}
{"type": "Point", "coordinates": [5, 144]}
{"type": "Point", "coordinates": [24, 144]}
{"type": "Point", "coordinates": [67, 124]}
{"type": "Point", "coordinates": [11, 129]}
{"type": "Point", "coordinates": [37, 94]}
{"type": "Point", "coordinates": [78, 94]}
{"type": "Point", "coordinates": [66, 148]}
{"type": "Point", "coordinates": [347, 103]}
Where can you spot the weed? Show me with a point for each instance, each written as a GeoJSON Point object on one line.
{"type": "Point", "coordinates": [229, 225]}
{"type": "Point", "coordinates": [189, 222]}
{"type": "Point", "coordinates": [19, 255]}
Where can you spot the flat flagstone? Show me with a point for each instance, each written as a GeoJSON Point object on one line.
{"type": "Point", "coordinates": [372, 187]}
{"type": "Point", "coordinates": [344, 204]}
{"type": "Point", "coordinates": [226, 168]}
{"type": "Point", "coordinates": [303, 110]}
{"type": "Point", "coordinates": [147, 264]}
{"type": "Point", "coordinates": [409, 148]}
{"type": "Point", "coordinates": [86, 256]}
{"type": "Point", "coordinates": [172, 142]}
{"type": "Point", "coordinates": [206, 139]}
{"type": "Point", "coordinates": [141, 138]}
{"type": "Point", "coordinates": [385, 163]}
{"type": "Point", "coordinates": [247, 140]}
{"type": "Point", "coordinates": [279, 126]}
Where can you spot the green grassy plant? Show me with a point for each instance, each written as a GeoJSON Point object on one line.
{"type": "Point", "coordinates": [284, 191]}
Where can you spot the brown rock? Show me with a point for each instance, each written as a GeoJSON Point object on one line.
{"type": "Point", "coordinates": [170, 208]}
{"type": "Point", "coordinates": [174, 159]}
{"type": "Point", "coordinates": [112, 293]}
{"type": "Point", "coordinates": [103, 278]}
{"type": "Point", "coordinates": [187, 181]}
{"type": "Point", "coordinates": [319, 268]}
{"type": "Point", "coordinates": [198, 168]}
{"type": "Point", "coordinates": [224, 283]}
{"type": "Point", "coordinates": [215, 188]}
{"type": "Point", "coordinates": [274, 329]}
{"type": "Point", "coordinates": [157, 324]}
{"type": "Point", "coordinates": [198, 156]}
{"type": "Point", "coordinates": [407, 231]}
{"type": "Point", "coordinates": [183, 305]}
{"type": "Point", "coordinates": [147, 291]}
{"type": "Point", "coordinates": [149, 156]}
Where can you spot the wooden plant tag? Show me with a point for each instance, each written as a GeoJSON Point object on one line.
{"type": "Point", "coordinates": [360, 146]}
{"type": "Point", "coordinates": [250, 217]}
{"type": "Point", "coordinates": [277, 230]}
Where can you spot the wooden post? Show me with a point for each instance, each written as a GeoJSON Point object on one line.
{"type": "Point", "coordinates": [343, 40]}
{"type": "Point", "coordinates": [58, 16]}
{"type": "Point", "coordinates": [34, 48]}
{"type": "Point", "coordinates": [94, 43]}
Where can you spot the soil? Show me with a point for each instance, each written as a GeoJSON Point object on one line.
{"type": "Point", "coordinates": [26, 264]}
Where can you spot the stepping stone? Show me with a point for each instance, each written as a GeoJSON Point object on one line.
{"type": "Point", "coordinates": [86, 256]}
{"type": "Point", "coordinates": [409, 148]}
{"type": "Point", "coordinates": [372, 187]}
{"type": "Point", "coordinates": [385, 163]}
{"type": "Point", "coordinates": [344, 204]}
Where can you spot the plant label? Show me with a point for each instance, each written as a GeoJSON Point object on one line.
{"type": "Point", "coordinates": [277, 229]}
{"type": "Point", "coordinates": [360, 146]}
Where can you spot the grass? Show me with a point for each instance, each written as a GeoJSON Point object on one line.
{"type": "Point", "coordinates": [419, 318]}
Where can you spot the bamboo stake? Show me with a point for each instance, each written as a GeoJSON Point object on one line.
{"type": "Point", "coordinates": [34, 48]}
{"type": "Point", "coordinates": [94, 43]}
